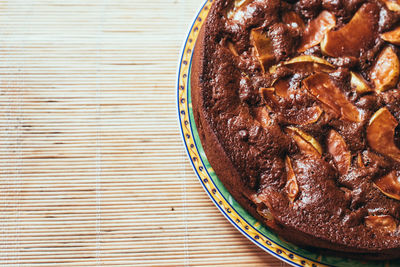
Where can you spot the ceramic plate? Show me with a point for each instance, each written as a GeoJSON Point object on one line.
{"type": "Point", "coordinates": [242, 220]}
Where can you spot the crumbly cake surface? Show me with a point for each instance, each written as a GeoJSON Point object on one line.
{"type": "Point", "coordinates": [303, 99]}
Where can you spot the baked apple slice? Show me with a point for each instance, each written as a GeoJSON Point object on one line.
{"type": "Point", "coordinates": [380, 133]}
{"type": "Point", "coordinates": [292, 188]}
{"type": "Point", "coordinates": [236, 10]}
{"type": "Point", "coordinates": [317, 62]}
{"type": "Point", "coordinates": [263, 48]}
{"type": "Point", "coordinates": [306, 63]}
{"type": "Point", "coordinates": [392, 36]}
{"type": "Point", "coordinates": [360, 161]}
{"type": "Point", "coordinates": [392, 5]}
{"type": "Point", "coordinates": [322, 86]}
{"type": "Point", "coordinates": [281, 88]}
{"type": "Point", "coordinates": [337, 147]}
{"type": "Point", "coordinates": [307, 144]}
{"type": "Point", "coordinates": [386, 70]}
{"type": "Point", "coordinates": [262, 116]}
{"type": "Point", "coordinates": [316, 30]}
{"type": "Point", "coordinates": [269, 95]}
{"type": "Point", "coordinates": [355, 36]}
{"type": "Point", "coordinates": [359, 84]}
{"type": "Point", "coordinates": [262, 208]}
{"type": "Point", "coordinates": [232, 48]}
{"type": "Point", "coordinates": [381, 222]}
{"type": "Point", "coordinates": [389, 185]}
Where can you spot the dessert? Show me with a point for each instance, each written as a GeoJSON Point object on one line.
{"type": "Point", "coordinates": [297, 104]}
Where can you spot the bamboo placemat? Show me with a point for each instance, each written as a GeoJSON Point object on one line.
{"type": "Point", "coordinates": [92, 168]}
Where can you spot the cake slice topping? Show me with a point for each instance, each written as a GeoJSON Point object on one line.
{"type": "Point", "coordinates": [237, 9]}
{"type": "Point", "coordinates": [385, 72]}
{"type": "Point", "coordinates": [337, 147]}
{"type": "Point", "coordinates": [392, 36]}
{"type": "Point", "coordinates": [359, 34]}
{"type": "Point", "coordinates": [359, 84]}
{"type": "Point", "coordinates": [381, 222]}
{"type": "Point", "coordinates": [292, 188]}
{"type": "Point", "coordinates": [380, 133]}
{"type": "Point", "coordinates": [323, 87]}
{"type": "Point", "coordinates": [306, 143]}
{"type": "Point", "coordinates": [305, 63]}
{"type": "Point", "coordinates": [263, 47]}
{"type": "Point", "coordinates": [316, 30]}
{"type": "Point", "coordinates": [393, 5]}
{"type": "Point", "coordinates": [389, 185]}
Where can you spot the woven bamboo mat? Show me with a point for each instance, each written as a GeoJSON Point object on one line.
{"type": "Point", "coordinates": [92, 167]}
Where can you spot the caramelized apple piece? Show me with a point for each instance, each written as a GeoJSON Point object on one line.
{"type": "Point", "coordinates": [307, 144]}
{"type": "Point", "coordinates": [308, 115]}
{"type": "Point", "coordinates": [325, 90]}
{"type": "Point", "coordinates": [355, 36]}
{"type": "Point", "coordinates": [262, 116]}
{"type": "Point", "coordinates": [392, 5]}
{"type": "Point", "coordinates": [359, 84]}
{"type": "Point", "coordinates": [292, 188]}
{"type": "Point", "coordinates": [381, 222]}
{"type": "Point", "coordinates": [282, 87]}
{"type": "Point", "coordinates": [316, 30]}
{"type": "Point", "coordinates": [262, 209]}
{"type": "Point", "coordinates": [392, 36]}
{"type": "Point", "coordinates": [337, 147]}
{"type": "Point", "coordinates": [268, 94]}
{"type": "Point", "coordinates": [306, 63]}
{"type": "Point", "coordinates": [263, 48]}
{"type": "Point", "coordinates": [267, 90]}
{"type": "Point", "coordinates": [360, 161]}
{"type": "Point", "coordinates": [309, 59]}
{"type": "Point", "coordinates": [385, 72]}
{"type": "Point", "coordinates": [380, 133]}
{"type": "Point", "coordinates": [232, 48]}
{"type": "Point", "coordinates": [236, 10]}
{"type": "Point", "coordinates": [389, 185]}
{"type": "Point", "coordinates": [293, 20]}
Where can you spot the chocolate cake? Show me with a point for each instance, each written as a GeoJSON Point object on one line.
{"type": "Point", "coordinates": [297, 104]}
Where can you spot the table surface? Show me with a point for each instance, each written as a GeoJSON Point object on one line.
{"type": "Point", "coordinates": [92, 168]}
